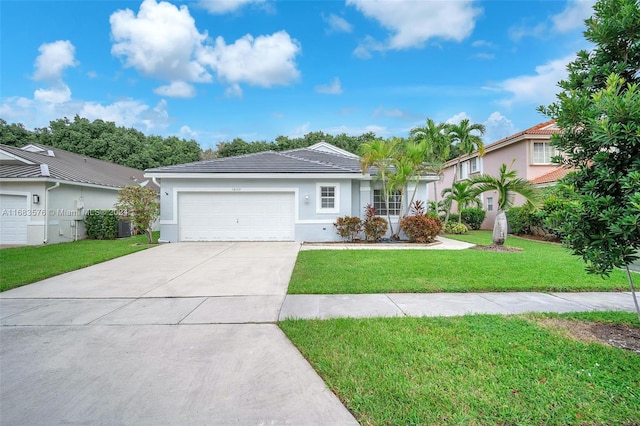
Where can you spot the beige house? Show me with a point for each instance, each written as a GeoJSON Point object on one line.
{"type": "Point", "coordinates": [45, 192]}
{"type": "Point", "coordinates": [532, 151]}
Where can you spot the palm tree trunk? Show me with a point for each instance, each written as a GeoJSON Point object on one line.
{"type": "Point", "coordinates": [455, 179]}
{"type": "Point", "coordinates": [633, 291]}
{"type": "Point", "coordinates": [500, 228]}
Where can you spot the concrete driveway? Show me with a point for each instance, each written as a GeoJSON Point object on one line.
{"type": "Point", "coordinates": [178, 334]}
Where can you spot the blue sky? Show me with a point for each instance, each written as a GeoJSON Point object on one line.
{"type": "Point", "coordinates": [255, 69]}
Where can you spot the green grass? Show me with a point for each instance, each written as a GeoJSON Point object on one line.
{"type": "Point", "coordinates": [472, 370]}
{"type": "Point", "coordinates": [25, 265]}
{"type": "Point", "coordinates": [539, 267]}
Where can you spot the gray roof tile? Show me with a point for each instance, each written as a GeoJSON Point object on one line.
{"type": "Point", "coordinates": [301, 161]}
{"type": "Point", "coordinates": [71, 167]}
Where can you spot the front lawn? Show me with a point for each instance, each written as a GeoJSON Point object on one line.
{"type": "Point", "coordinates": [25, 265]}
{"type": "Point", "coordinates": [539, 267]}
{"type": "Point", "coordinates": [472, 370]}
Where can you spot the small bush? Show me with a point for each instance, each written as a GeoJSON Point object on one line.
{"type": "Point", "coordinates": [374, 226]}
{"type": "Point", "coordinates": [521, 221]}
{"type": "Point", "coordinates": [101, 224]}
{"type": "Point", "coordinates": [348, 227]}
{"type": "Point", "coordinates": [421, 229]}
{"type": "Point", "coordinates": [456, 228]}
{"type": "Point", "coordinates": [473, 217]}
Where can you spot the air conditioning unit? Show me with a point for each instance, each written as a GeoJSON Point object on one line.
{"type": "Point", "coordinates": [124, 229]}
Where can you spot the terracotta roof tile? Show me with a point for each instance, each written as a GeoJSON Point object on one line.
{"type": "Point", "coordinates": [552, 176]}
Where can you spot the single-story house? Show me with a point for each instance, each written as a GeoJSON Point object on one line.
{"type": "Point", "coordinates": [532, 151]}
{"type": "Point", "coordinates": [293, 195]}
{"type": "Point", "coordinates": [45, 192]}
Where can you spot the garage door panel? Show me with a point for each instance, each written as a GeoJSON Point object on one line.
{"type": "Point", "coordinates": [13, 219]}
{"type": "Point", "coordinates": [259, 216]}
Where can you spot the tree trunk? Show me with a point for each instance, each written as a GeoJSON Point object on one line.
{"type": "Point", "coordinates": [149, 235]}
{"type": "Point", "coordinates": [500, 228]}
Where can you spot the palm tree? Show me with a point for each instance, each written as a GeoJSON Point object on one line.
{"type": "Point", "coordinates": [464, 194]}
{"type": "Point", "coordinates": [507, 184]}
{"type": "Point", "coordinates": [380, 154]}
{"type": "Point", "coordinates": [437, 143]}
{"type": "Point", "coordinates": [466, 142]}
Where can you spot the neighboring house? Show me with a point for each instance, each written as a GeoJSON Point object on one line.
{"type": "Point", "coordinates": [532, 151]}
{"type": "Point", "coordinates": [45, 192]}
{"type": "Point", "coordinates": [293, 195]}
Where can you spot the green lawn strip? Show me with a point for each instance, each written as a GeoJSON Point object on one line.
{"type": "Point", "coordinates": [469, 370]}
{"type": "Point", "coordinates": [539, 267]}
{"type": "Point", "coordinates": [25, 265]}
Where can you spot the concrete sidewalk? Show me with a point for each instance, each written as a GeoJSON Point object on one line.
{"type": "Point", "coordinates": [316, 306]}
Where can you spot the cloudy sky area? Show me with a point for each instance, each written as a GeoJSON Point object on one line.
{"type": "Point", "coordinates": [255, 69]}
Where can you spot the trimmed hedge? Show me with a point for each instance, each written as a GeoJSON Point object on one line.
{"type": "Point", "coordinates": [101, 224]}
{"type": "Point", "coordinates": [473, 217]}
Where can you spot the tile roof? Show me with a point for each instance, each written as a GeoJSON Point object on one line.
{"type": "Point", "coordinates": [303, 160]}
{"type": "Point", "coordinates": [553, 176]}
{"type": "Point", "coordinates": [546, 128]}
{"type": "Point", "coordinates": [68, 166]}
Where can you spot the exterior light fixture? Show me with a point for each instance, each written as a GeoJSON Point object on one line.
{"type": "Point", "coordinates": [36, 199]}
{"type": "Point", "coordinates": [306, 198]}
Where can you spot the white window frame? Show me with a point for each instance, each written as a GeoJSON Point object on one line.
{"type": "Point", "coordinates": [381, 213]}
{"type": "Point", "coordinates": [336, 197]}
{"type": "Point", "coordinates": [489, 204]}
{"type": "Point", "coordinates": [474, 165]}
{"type": "Point", "coordinates": [548, 153]}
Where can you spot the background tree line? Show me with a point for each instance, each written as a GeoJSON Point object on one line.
{"type": "Point", "coordinates": [130, 147]}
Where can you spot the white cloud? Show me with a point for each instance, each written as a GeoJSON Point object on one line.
{"type": "Point", "coordinates": [300, 131]}
{"type": "Point", "coordinates": [57, 94]}
{"type": "Point", "coordinates": [53, 59]}
{"type": "Point", "coordinates": [187, 133]}
{"type": "Point", "coordinates": [332, 88]}
{"type": "Point", "coordinates": [573, 16]}
{"type": "Point", "coordinates": [265, 61]}
{"type": "Point", "coordinates": [176, 89]}
{"type": "Point", "coordinates": [219, 7]}
{"type": "Point", "coordinates": [233, 91]}
{"type": "Point", "coordinates": [537, 89]}
{"type": "Point", "coordinates": [497, 127]}
{"type": "Point", "coordinates": [160, 41]}
{"type": "Point", "coordinates": [482, 43]}
{"type": "Point", "coordinates": [337, 24]}
{"type": "Point", "coordinates": [44, 107]}
{"type": "Point", "coordinates": [456, 119]}
{"type": "Point", "coordinates": [412, 23]}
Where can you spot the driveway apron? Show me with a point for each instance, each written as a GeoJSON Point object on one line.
{"type": "Point", "coordinates": [178, 334]}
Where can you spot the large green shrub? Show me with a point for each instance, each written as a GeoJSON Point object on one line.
{"type": "Point", "coordinates": [101, 224]}
{"type": "Point", "coordinates": [473, 217]}
{"type": "Point", "coordinates": [348, 227]}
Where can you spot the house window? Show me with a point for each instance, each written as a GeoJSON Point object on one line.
{"type": "Point", "coordinates": [475, 165]}
{"type": "Point", "coordinates": [395, 200]}
{"type": "Point", "coordinates": [463, 172]}
{"type": "Point", "coordinates": [543, 153]}
{"type": "Point", "coordinates": [328, 196]}
{"type": "Point", "coordinates": [489, 204]}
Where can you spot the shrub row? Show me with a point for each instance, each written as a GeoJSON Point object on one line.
{"type": "Point", "coordinates": [101, 224]}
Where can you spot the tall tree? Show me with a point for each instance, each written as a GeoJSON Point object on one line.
{"type": "Point", "coordinates": [380, 154]}
{"type": "Point", "coordinates": [507, 184]}
{"type": "Point", "coordinates": [467, 138]}
{"type": "Point", "coordinates": [598, 111]}
{"type": "Point", "coordinates": [437, 149]}
{"type": "Point", "coordinates": [464, 194]}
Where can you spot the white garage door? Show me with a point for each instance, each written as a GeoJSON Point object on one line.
{"type": "Point", "coordinates": [13, 219]}
{"type": "Point", "coordinates": [236, 216]}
